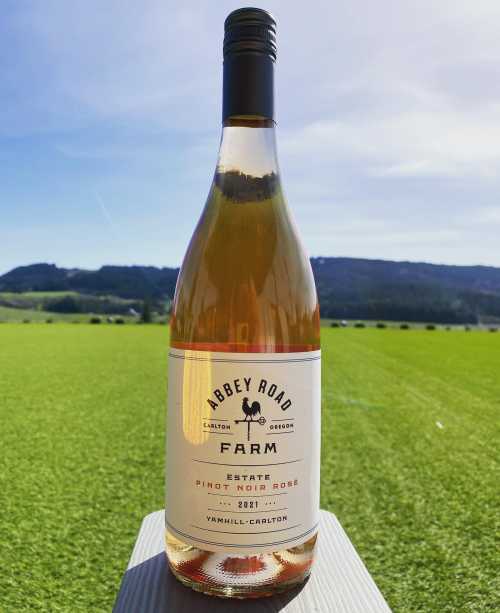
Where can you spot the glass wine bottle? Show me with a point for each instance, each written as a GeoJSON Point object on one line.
{"type": "Point", "coordinates": [243, 430]}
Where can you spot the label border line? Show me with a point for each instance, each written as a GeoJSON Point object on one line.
{"type": "Point", "coordinates": [242, 545]}
{"type": "Point", "coordinates": [243, 361]}
{"type": "Point", "coordinates": [253, 531]}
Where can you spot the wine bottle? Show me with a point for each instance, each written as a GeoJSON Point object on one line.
{"type": "Point", "coordinates": [243, 428]}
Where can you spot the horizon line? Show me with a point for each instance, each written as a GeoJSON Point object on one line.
{"type": "Point", "coordinates": [318, 257]}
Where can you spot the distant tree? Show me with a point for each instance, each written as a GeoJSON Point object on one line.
{"type": "Point", "coordinates": [49, 320]}
{"type": "Point", "coordinates": [359, 324]}
{"type": "Point", "coordinates": [335, 324]}
{"type": "Point", "coordinates": [493, 329]}
{"type": "Point", "coordinates": [146, 314]}
{"type": "Point", "coordinates": [66, 304]}
{"type": "Point", "coordinates": [95, 320]}
{"type": "Point", "coordinates": [430, 327]}
{"type": "Point", "coordinates": [381, 325]}
{"type": "Point", "coordinates": [119, 320]}
{"type": "Point", "coordinates": [404, 327]}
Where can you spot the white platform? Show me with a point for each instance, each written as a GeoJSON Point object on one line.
{"type": "Point", "coordinates": [339, 581]}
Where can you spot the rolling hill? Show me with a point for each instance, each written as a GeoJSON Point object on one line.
{"type": "Point", "coordinates": [348, 288]}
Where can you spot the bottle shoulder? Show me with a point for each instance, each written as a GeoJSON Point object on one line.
{"type": "Point", "coordinates": [249, 244]}
{"type": "Point", "coordinates": [245, 275]}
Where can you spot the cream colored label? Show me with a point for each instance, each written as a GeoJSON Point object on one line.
{"type": "Point", "coordinates": [243, 444]}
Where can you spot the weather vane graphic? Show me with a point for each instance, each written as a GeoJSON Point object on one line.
{"type": "Point", "coordinates": [250, 411]}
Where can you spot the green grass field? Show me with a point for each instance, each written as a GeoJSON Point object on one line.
{"type": "Point", "coordinates": [410, 460]}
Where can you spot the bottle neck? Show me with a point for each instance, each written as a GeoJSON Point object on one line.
{"type": "Point", "coordinates": [247, 168]}
{"type": "Point", "coordinates": [248, 147]}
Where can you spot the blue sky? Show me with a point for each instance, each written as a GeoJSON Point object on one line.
{"type": "Point", "coordinates": [388, 127]}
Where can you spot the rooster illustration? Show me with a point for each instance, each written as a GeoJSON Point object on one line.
{"type": "Point", "coordinates": [250, 410]}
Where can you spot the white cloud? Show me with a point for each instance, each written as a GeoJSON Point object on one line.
{"type": "Point", "coordinates": [486, 215]}
{"type": "Point", "coordinates": [418, 143]}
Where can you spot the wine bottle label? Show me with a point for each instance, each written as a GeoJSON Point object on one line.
{"type": "Point", "coordinates": [243, 444]}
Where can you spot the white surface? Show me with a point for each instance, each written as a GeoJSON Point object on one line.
{"type": "Point", "coordinates": [339, 582]}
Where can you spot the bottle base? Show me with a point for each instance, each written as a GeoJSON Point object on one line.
{"type": "Point", "coordinates": [241, 591]}
{"type": "Point", "coordinates": [240, 576]}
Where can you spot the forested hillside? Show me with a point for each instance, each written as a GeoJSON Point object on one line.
{"type": "Point", "coordinates": [348, 288]}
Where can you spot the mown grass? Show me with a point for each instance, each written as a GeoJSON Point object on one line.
{"type": "Point", "coordinates": [409, 463]}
